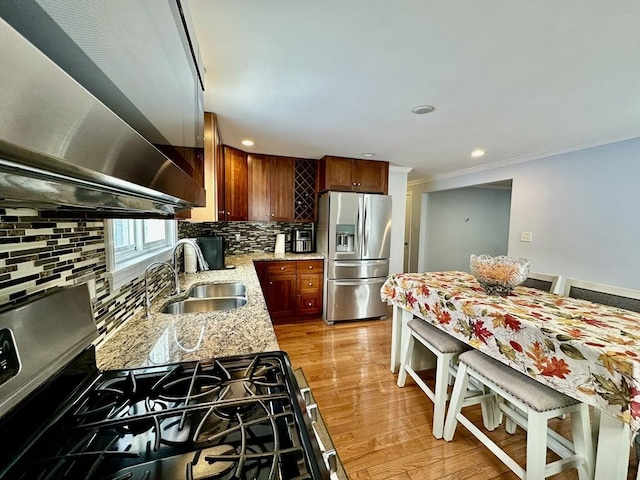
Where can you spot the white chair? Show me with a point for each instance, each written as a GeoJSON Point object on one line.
{"type": "Point", "coordinates": [446, 350]}
{"type": "Point", "coordinates": [543, 281]}
{"type": "Point", "coordinates": [610, 295]}
{"type": "Point", "coordinates": [625, 298]}
{"type": "Point", "coordinates": [530, 405]}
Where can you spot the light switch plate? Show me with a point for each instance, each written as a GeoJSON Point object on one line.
{"type": "Point", "coordinates": [525, 236]}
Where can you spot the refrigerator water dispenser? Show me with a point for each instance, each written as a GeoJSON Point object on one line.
{"type": "Point", "coordinates": [345, 238]}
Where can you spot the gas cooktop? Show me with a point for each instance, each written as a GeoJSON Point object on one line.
{"type": "Point", "coordinates": [230, 418]}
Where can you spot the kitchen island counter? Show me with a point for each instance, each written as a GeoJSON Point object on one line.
{"type": "Point", "coordinates": [165, 338]}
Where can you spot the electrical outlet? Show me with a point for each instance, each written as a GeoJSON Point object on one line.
{"type": "Point", "coordinates": [237, 237]}
{"type": "Point", "coordinates": [90, 280]}
{"type": "Point", "coordinates": [525, 236]}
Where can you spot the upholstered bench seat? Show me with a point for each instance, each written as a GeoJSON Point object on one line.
{"type": "Point", "coordinates": [530, 405]}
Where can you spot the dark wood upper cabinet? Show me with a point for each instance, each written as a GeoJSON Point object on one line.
{"type": "Point", "coordinates": [371, 176]}
{"type": "Point", "coordinates": [259, 187]}
{"type": "Point", "coordinates": [353, 175]}
{"type": "Point", "coordinates": [271, 184]}
{"type": "Point", "coordinates": [235, 185]}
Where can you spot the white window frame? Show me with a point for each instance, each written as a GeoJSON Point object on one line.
{"type": "Point", "coordinates": [134, 261]}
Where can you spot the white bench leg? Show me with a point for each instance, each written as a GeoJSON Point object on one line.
{"type": "Point", "coordinates": [536, 446]}
{"type": "Point", "coordinates": [440, 393]}
{"type": "Point", "coordinates": [406, 359]}
{"type": "Point", "coordinates": [582, 443]}
{"type": "Point", "coordinates": [455, 404]}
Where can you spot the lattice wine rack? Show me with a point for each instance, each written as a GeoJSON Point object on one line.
{"type": "Point", "coordinates": [305, 190]}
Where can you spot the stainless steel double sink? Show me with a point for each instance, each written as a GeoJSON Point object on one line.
{"type": "Point", "coordinates": [210, 298]}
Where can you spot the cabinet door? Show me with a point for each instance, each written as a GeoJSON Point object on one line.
{"type": "Point", "coordinates": [259, 187]}
{"type": "Point", "coordinates": [236, 184]}
{"type": "Point", "coordinates": [371, 176]}
{"type": "Point", "coordinates": [338, 174]}
{"type": "Point", "coordinates": [282, 182]}
{"type": "Point", "coordinates": [281, 294]}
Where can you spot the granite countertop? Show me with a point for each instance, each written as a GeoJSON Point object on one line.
{"type": "Point", "coordinates": [164, 338]}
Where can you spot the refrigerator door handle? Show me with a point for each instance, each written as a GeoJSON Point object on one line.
{"type": "Point", "coordinates": [360, 263]}
{"type": "Point", "coordinates": [361, 281]}
{"type": "Point", "coordinates": [364, 225]}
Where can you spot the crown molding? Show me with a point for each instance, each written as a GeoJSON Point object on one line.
{"type": "Point", "coordinates": [521, 159]}
{"type": "Point", "coordinates": [398, 169]}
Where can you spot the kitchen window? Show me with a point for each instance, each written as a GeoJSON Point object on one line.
{"type": "Point", "coordinates": [132, 244]}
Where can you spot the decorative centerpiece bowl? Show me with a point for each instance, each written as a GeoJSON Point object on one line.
{"type": "Point", "coordinates": [498, 275]}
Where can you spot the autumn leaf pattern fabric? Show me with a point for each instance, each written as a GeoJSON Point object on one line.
{"type": "Point", "coordinates": [588, 351]}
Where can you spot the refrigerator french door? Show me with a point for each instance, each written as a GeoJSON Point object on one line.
{"type": "Point", "coordinates": [353, 234]}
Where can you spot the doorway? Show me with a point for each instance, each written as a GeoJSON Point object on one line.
{"type": "Point", "coordinates": [465, 221]}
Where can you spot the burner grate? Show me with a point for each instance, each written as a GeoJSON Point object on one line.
{"type": "Point", "coordinates": [204, 420]}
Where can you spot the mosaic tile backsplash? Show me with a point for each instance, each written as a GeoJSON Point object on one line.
{"type": "Point", "coordinates": [241, 237]}
{"type": "Point", "coordinates": [38, 254]}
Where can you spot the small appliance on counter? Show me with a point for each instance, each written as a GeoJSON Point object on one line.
{"type": "Point", "coordinates": [302, 240]}
{"type": "Point", "coordinates": [239, 417]}
{"type": "Point", "coordinates": [213, 251]}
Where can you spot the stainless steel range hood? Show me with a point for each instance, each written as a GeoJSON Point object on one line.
{"type": "Point", "coordinates": [62, 149]}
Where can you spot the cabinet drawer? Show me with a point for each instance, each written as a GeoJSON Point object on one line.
{"type": "Point", "coordinates": [310, 283]}
{"type": "Point", "coordinates": [307, 266]}
{"type": "Point", "coordinates": [281, 268]}
{"type": "Point", "coordinates": [309, 304]}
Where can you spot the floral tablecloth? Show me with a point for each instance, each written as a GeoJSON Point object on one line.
{"type": "Point", "coordinates": [588, 351]}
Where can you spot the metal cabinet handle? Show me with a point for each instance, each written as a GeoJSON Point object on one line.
{"type": "Point", "coordinates": [270, 283]}
{"type": "Point", "coordinates": [309, 303]}
{"type": "Point", "coordinates": [354, 184]}
{"type": "Point", "coordinates": [273, 214]}
{"type": "Point", "coordinates": [281, 268]}
{"type": "Point", "coordinates": [310, 267]}
{"type": "Point", "coordinates": [310, 284]}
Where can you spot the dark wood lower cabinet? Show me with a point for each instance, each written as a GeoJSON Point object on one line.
{"type": "Point", "coordinates": [291, 288]}
{"type": "Point", "coordinates": [281, 296]}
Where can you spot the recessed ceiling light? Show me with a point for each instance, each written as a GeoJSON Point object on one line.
{"type": "Point", "coordinates": [248, 143]}
{"type": "Point", "coordinates": [368, 154]}
{"type": "Point", "coordinates": [422, 109]}
{"type": "Point", "coordinates": [477, 153]}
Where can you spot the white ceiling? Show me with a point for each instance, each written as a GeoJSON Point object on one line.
{"type": "Point", "coordinates": [519, 79]}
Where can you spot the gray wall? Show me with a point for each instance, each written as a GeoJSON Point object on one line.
{"type": "Point", "coordinates": [582, 207]}
{"type": "Point", "coordinates": [465, 221]}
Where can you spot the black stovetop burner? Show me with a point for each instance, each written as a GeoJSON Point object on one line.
{"type": "Point", "coordinates": [234, 418]}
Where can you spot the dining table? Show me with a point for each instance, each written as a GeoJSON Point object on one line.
{"type": "Point", "coordinates": [588, 351]}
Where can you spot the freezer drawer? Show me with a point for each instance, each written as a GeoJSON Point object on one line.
{"type": "Point", "coordinates": [343, 269]}
{"type": "Point", "coordinates": [354, 299]}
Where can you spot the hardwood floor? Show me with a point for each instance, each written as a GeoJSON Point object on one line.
{"type": "Point", "coordinates": [383, 432]}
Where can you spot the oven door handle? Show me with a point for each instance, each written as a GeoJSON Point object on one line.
{"type": "Point", "coordinates": [330, 457]}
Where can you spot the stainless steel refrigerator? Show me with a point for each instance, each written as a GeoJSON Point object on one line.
{"type": "Point", "coordinates": [353, 233]}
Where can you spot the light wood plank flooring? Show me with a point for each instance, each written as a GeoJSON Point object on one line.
{"type": "Point", "coordinates": [383, 432]}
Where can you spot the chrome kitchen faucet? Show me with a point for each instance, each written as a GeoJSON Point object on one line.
{"type": "Point", "coordinates": [176, 282]}
{"type": "Point", "coordinates": [202, 263]}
